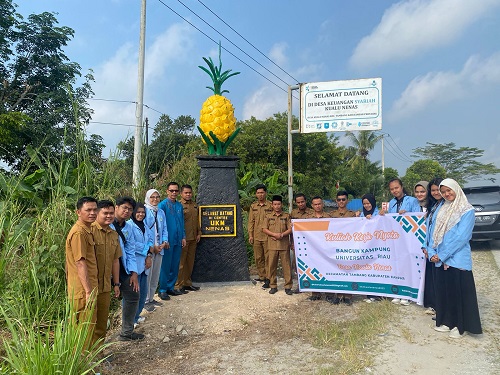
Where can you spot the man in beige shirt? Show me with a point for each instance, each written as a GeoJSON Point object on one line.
{"type": "Point", "coordinates": [193, 236]}
{"type": "Point", "coordinates": [108, 253]}
{"type": "Point", "coordinates": [256, 237]}
{"type": "Point", "coordinates": [278, 227]}
{"type": "Point", "coordinates": [81, 265]}
{"type": "Point", "coordinates": [318, 212]}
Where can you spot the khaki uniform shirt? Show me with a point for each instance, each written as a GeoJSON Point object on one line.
{"type": "Point", "coordinates": [278, 224]}
{"type": "Point", "coordinates": [312, 215]}
{"type": "Point", "coordinates": [256, 219]}
{"type": "Point", "coordinates": [107, 249]}
{"type": "Point", "coordinates": [296, 214]}
{"type": "Point", "coordinates": [348, 213]}
{"type": "Point", "coordinates": [191, 223]}
{"type": "Point", "coordinates": [80, 244]}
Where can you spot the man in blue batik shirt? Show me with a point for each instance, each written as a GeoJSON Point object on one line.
{"type": "Point", "coordinates": [129, 284]}
{"type": "Point", "coordinates": [174, 213]}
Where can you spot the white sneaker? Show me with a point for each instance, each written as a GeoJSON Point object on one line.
{"type": "Point", "coordinates": [141, 319]}
{"type": "Point", "coordinates": [455, 334]}
{"type": "Point", "coordinates": [442, 328]}
{"type": "Point", "coordinates": [405, 302]}
{"type": "Point", "coordinates": [396, 301]}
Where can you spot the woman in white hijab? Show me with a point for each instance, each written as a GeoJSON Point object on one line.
{"type": "Point", "coordinates": [156, 221]}
{"type": "Point", "coordinates": [456, 301]}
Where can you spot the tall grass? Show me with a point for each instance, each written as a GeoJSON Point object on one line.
{"type": "Point", "coordinates": [35, 347]}
{"type": "Point", "coordinates": [37, 209]}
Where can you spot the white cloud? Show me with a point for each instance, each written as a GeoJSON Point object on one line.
{"type": "Point", "coordinates": [411, 27]}
{"type": "Point", "coordinates": [265, 102]}
{"type": "Point", "coordinates": [116, 78]}
{"type": "Point", "coordinates": [440, 87]}
{"type": "Point", "coordinates": [277, 53]}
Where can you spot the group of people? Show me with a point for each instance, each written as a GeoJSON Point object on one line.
{"type": "Point", "coordinates": [449, 292]}
{"type": "Point", "coordinates": [130, 249]}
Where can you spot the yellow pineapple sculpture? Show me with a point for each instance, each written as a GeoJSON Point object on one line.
{"type": "Point", "coordinates": [217, 121]}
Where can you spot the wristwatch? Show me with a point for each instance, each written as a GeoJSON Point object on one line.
{"type": "Point", "coordinates": [117, 284]}
{"type": "Point", "coordinates": [150, 254]}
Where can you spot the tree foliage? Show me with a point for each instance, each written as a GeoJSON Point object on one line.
{"type": "Point", "coordinates": [315, 156]}
{"type": "Point", "coordinates": [423, 170]}
{"type": "Point", "coordinates": [40, 102]}
{"type": "Point", "coordinates": [460, 163]}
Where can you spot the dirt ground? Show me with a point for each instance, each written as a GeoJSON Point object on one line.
{"type": "Point", "coordinates": [239, 328]}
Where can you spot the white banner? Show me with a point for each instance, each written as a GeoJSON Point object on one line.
{"type": "Point", "coordinates": [381, 256]}
{"type": "Point", "coordinates": [341, 105]}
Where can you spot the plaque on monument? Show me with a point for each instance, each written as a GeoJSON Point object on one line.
{"type": "Point", "coordinates": [218, 220]}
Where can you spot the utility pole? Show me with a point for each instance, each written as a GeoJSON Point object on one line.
{"type": "Point", "coordinates": [383, 158]}
{"type": "Point", "coordinates": [136, 175]}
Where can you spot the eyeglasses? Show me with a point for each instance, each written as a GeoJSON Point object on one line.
{"type": "Point", "coordinates": [341, 199]}
{"type": "Point", "coordinates": [154, 197]}
{"type": "Point", "coordinates": [126, 208]}
{"type": "Point", "coordinates": [174, 191]}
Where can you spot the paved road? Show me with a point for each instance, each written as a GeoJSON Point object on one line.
{"type": "Point", "coordinates": [494, 246]}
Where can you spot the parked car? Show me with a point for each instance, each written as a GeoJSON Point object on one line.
{"type": "Point", "coordinates": [486, 202]}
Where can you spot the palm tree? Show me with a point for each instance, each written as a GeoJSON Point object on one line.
{"type": "Point", "coordinates": [363, 143]}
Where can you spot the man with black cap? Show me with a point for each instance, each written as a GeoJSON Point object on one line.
{"type": "Point", "coordinates": [278, 227]}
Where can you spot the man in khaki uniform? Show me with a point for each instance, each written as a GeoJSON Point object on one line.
{"type": "Point", "coordinates": [317, 213]}
{"type": "Point", "coordinates": [108, 252]}
{"type": "Point", "coordinates": [300, 212]}
{"type": "Point", "coordinates": [81, 264]}
{"type": "Point", "coordinates": [341, 212]}
{"type": "Point", "coordinates": [278, 227]}
{"type": "Point", "coordinates": [193, 235]}
{"type": "Point", "coordinates": [257, 214]}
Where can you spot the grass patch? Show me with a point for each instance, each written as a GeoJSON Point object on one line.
{"type": "Point", "coordinates": [350, 339]}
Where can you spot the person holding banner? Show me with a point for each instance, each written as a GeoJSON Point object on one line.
{"type": "Point", "coordinates": [434, 202]}
{"type": "Point", "coordinates": [369, 206]}
{"type": "Point", "coordinates": [278, 228]}
{"type": "Point", "coordinates": [457, 311]}
{"type": "Point", "coordinates": [400, 204]}
{"type": "Point", "coordinates": [342, 212]}
{"type": "Point", "coordinates": [301, 212]}
{"type": "Point", "coordinates": [369, 210]}
{"type": "Point", "coordinates": [318, 213]}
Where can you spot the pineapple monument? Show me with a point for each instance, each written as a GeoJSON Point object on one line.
{"type": "Point", "coordinates": [221, 254]}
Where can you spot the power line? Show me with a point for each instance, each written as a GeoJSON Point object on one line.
{"type": "Point", "coordinates": [400, 154]}
{"type": "Point", "coordinates": [126, 101]}
{"type": "Point", "coordinates": [393, 152]}
{"type": "Point", "coordinates": [225, 49]}
{"type": "Point", "coordinates": [242, 37]}
{"type": "Point", "coordinates": [222, 35]}
{"type": "Point", "coordinates": [117, 124]}
{"type": "Point", "coordinates": [401, 151]}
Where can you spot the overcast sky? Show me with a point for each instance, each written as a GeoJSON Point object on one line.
{"type": "Point", "coordinates": [439, 61]}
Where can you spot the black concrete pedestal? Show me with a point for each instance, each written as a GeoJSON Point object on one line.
{"type": "Point", "coordinates": [220, 258]}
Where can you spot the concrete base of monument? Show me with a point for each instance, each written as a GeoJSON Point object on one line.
{"type": "Point", "coordinates": [221, 255]}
